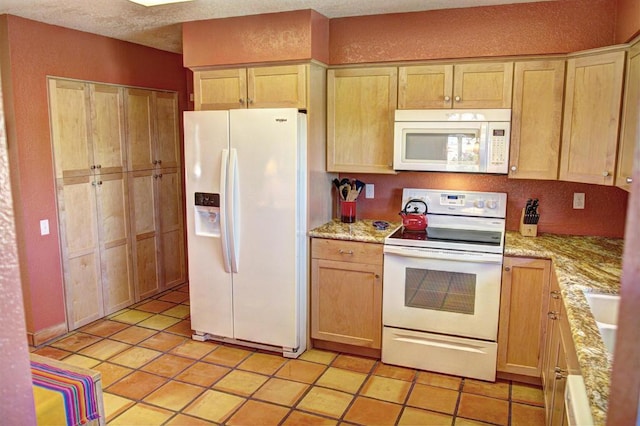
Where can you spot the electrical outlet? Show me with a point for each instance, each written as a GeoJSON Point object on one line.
{"type": "Point", "coordinates": [44, 227]}
{"type": "Point", "coordinates": [369, 190]}
{"type": "Point", "coordinates": [578, 200]}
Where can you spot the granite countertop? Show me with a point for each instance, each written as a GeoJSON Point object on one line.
{"type": "Point", "coordinates": [580, 263]}
{"type": "Point", "coordinates": [360, 230]}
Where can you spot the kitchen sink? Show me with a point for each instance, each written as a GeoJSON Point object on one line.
{"type": "Point", "coordinates": [604, 308]}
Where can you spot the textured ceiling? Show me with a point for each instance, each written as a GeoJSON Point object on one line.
{"type": "Point", "coordinates": [160, 26]}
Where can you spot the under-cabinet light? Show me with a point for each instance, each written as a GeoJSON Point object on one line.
{"type": "Point", "coordinates": [157, 2]}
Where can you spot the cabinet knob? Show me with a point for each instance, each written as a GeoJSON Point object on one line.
{"type": "Point", "coordinates": [555, 294]}
{"type": "Point", "coordinates": [458, 98]}
{"type": "Point", "coordinates": [99, 166]}
{"type": "Point", "coordinates": [93, 167]}
{"type": "Point", "coordinates": [552, 315]}
{"type": "Point", "coordinates": [514, 168]}
{"type": "Point", "coordinates": [241, 101]}
{"type": "Point", "coordinates": [99, 182]}
{"type": "Point", "coordinates": [349, 252]}
{"type": "Point", "coordinates": [250, 101]}
{"type": "Point", "coordinates": [447, 98]}
{"type": "Point", "coordinates": [605, 173]}
{"type": "Point", "coordinates": [507, 268]}
{"type": "Point", "coordinates": [629, 180]}
{"type": "Point", "coordinates": [560, 373]}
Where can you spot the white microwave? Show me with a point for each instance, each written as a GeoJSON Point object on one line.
{"type": "Point", "coordinates": [452, 140]}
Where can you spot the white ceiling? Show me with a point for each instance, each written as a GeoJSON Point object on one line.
{"type": "Point", "coordinates": [160, 26]}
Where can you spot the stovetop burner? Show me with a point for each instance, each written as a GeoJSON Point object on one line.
{"type": "Point", "coordinates": [492, 238]}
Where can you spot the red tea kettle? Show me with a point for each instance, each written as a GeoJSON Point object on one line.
{"type": "Point", "coordinates": [414, 215]}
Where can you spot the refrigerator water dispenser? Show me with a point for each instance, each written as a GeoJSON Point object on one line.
{"type": "Point", "coordinates": [207, 214]}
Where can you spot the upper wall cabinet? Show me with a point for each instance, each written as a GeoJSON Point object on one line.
{"type": "Point", "coordinates": [630, 134]}
{"type": "Point", "coordinates": [536, 120]}
{"type": "Point", "coordinates": [591, 117]}
{"type": "Point", "coordinates": [480, 85]}
{"type": "Point", "coordinates": [86, 121]}
{"type": "Point", "coordinates": [257, 87]}
{"type": "Point", "coordinates": [360, 114]}
{"type": "Point", "coordinates": [152, 129]}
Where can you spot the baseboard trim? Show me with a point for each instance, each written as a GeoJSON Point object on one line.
{"type": "Point", "coordinates": [350, 349]}
{"type": "Point", "coordinates": [49, 333]}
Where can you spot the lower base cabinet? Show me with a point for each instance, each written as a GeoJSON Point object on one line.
{"type": "Point", "coordinates": [560, 358]}
{"type": "Point", "coordinates": [346, 292]}
{"type": "Point", "coordinates": [523, 307]}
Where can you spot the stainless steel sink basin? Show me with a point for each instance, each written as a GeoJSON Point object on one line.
{"type": "Point", "coordinates": [604, 308]}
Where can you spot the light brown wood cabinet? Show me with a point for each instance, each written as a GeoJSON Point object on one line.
{"type": "Point", "coordinates": [523, 307]}
{"type": "Point", "coordinates": [560, 357]}
{"type": "Point", "coordinates": [152, 130]}
{"type": "Point", "coordinates": [282, 86]}
{"type": "Point", "coordinates": [360, 115]}
{"type": "Point", "coordinates": [472, 85]}
{"type": "Point", "coordinates": [92, 194]}
{"type": "Point", "coordinates": [536, 119]}
{"type": "Point", "coordinates": [591, 117]}
{"type": "Point", "coordinates": [346, 292]}
{"type": "Point", "coordinates": [156, 190]}
{"type": "Point", "coordinates": [630, 133]}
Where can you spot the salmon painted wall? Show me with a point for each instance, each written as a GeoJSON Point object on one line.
{"type": "Point", "coordinates": [604, 213]}
{"type": "Point", "coordinates": [36, 51]}
{"type": "Point", "coordinates": [533, 28]}
{"type": "Point", "coordinates": [520, 29]}
{"type": "Point", "coordinates": [272, 37]}
{"type": "Point", "coordinates": [627, 20]}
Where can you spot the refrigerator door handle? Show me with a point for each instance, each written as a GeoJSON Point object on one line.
{"type": "Point", "coordinates": [224, 235]}
{"type": "Point", "coordinates": [233, 198]}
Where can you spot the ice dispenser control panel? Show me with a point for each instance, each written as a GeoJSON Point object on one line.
{"type": "Point", "coordinates": [207, 214]}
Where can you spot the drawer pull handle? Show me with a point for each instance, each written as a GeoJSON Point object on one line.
{"type": "Point", "coordinates": [552, 315]}
{"type": "Point", "coordinates": [349, 252]}
{"type": "Point", "coordinates": [555, 294]}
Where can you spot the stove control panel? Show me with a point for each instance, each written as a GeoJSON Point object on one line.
{"type": "Point", "coordinates": [459, 203]}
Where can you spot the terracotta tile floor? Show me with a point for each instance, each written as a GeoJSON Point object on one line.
{"type": "Point", "coordinates": [154, 374]}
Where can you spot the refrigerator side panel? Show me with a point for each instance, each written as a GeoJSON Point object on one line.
{"type": "Point", "coordinates": [266, 286]}
{"type": "Point", "coordinates": [206, 136]}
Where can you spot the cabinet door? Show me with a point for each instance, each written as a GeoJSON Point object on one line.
{"type": "Point", "coordinates": [69, 112]}
{"type": "Point", "coordinates": [172, 228]}
{"type": "Point", "coordinates": [428, 86]}
{"type": "Point", "coordinates": [361, 105]}
{"type": "Point", "coordinates": [536, 119]}
{"type": "Point", "coordinates": [145, 232]}
{"type": "Point", "coordinates": [482, 85]}
{"type": "Point", "coordinates": [630, 133]}
{"type": "Point", "coordinates": [140, 133]}
{"type": "Point", "coordinates": [107, 119]}
{"type": "Point", "coordinates": [277, 87]}
{"type": "Point", "coordinates": [220, 89]}
{"type": "Point", "coordinates": [115, 242]}
{"type": "Point", "coordinates": [80, 250]}
{"type": "Point", "coordinates": [346, 303]}
{"type": "Point", "coordinates": [523, 307]}
{"type": "Point", "coordinates": [591, 118]}
{"type": "Point", "coordinates": [167, 145]}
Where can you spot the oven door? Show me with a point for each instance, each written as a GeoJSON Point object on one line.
{"type": "Point", "coordinates": [442, 291]}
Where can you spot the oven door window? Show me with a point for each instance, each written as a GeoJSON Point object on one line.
{"type": "Point", "coordinates": [440, 290]}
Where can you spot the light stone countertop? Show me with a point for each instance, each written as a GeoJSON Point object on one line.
{"type": "Point", "coordinates": [580, 262]}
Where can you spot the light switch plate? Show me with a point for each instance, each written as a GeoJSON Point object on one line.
{"type": "Point", "coordinates": [578, 200]}
{"type": "Point", "coordinates": [44, 227]}
{"type": "Point", "coordinates": [369, 190]}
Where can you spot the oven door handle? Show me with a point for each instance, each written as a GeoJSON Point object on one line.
{"type": "Point", "coordinates": [461, 256]}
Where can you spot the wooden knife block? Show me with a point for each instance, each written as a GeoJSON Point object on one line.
{"type": "Point", "coordinates": [527, 230]}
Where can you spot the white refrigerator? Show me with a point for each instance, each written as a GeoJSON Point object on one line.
{"type": "Point", "coordinates": [246, 217]}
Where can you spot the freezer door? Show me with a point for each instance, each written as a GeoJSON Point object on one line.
{"type": "Point", "coordinates": [206, 136]}
{"type": "Point", "coordinates": [269, 197]}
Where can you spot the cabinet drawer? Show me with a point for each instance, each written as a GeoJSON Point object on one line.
{"type": "Point", "coordinates": [346, 251]}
